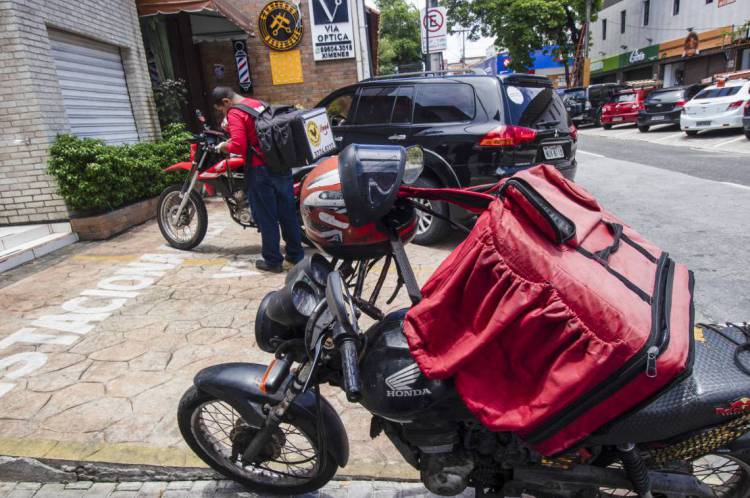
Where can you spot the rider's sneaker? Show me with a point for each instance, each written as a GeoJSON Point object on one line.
{"type": "Point", "coordinates": [287, 265]}
{"type": "Point", "coordinates": [262, 265]}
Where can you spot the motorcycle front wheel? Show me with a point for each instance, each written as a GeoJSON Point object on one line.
{"type": "Point", "coordinates": [187, 230]}
{"type": "Point", "coordinates": [217, 433]}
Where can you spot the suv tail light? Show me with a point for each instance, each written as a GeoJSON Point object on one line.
{"type": "Point", "coordinates": [506, 135]}
{"type": "Point", "coordinates": [573, 132]}
{"type": "Point", "coordinates": [735, 105]}
{"type": "Point", "coordinates": [679, 103]}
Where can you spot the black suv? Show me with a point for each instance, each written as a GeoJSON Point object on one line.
{"type": "Point", "coordinates": [584, 104]}
{"type": "Point", "coordinates": [474, 128]}
{"type": "Point", "coordinates": [664, 106]}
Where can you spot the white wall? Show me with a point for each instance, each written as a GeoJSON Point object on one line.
{"type": "Point", "coordinates": [663, 26]}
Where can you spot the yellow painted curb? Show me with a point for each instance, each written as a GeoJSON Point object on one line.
{"type": "Point", "coordinates": [127, 453]}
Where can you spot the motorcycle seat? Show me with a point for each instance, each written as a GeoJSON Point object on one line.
{"type": "Point", "coordinates": [715, 392]}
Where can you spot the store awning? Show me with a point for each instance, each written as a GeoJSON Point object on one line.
{"type": "Point", "coordinates": [224, 7]}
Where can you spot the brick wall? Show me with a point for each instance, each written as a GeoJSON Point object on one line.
{"type": "Point", "coordinates": [31, 109]}
{"type": "Point", "coordinates": [321, 78]}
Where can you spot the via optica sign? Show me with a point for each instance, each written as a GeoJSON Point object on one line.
{"type": "Point", "coordinates": [332, 32]}
{"type": "Point", "coordinates": [435, 21]}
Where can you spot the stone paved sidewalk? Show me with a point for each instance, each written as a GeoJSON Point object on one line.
{"type": "Point", "coordinates": [99, 341]}
{"type": "Point", "coordinates": [204, 489]}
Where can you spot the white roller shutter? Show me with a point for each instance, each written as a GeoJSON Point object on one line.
{"type": "Point", "coordinates": [94, 90]}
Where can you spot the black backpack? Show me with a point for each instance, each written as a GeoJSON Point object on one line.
{"type": "Point", "coordinates": [278, 136]}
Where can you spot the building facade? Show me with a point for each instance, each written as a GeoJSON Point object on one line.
{"type": "Point", "coordinates": [276, 51]}
{"type": "Point", "coordinates": [676, 41]}
{"type": "Point", "coordinates": [54, 56]}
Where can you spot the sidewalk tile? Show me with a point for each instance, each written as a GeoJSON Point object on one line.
{"type": "Point", "coordinates": [129, 486]}
{"type": "Point", "coordinates": [28, 485]}
{"type": "Point", "coordinates": [152, 489]}
{"type": "Point", "coordinates": [203, 488]}
{"type": "Point", "coordinates": [100, 490]}
{"type": "Point", "coordinates": [6, 487]}
{"type": "Point", "coordinates": [175, 485]}
{"type": "Point", "coordinates": [21, 493]}
{"type": "Point", "coordinates": [124, 494]}
{"type": "Point", "coordinates": [82, 485]}
{"type": "Point", "coordinates": [360, 490]}
{"type": "Point", "coordinates": [177, 493]}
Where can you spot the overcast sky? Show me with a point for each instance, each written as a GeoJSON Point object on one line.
{"type": "Point", "coordinates": [453, 54]}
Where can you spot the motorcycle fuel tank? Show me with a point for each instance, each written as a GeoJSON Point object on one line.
{"type": "Point", "coordinates": [393, 387]}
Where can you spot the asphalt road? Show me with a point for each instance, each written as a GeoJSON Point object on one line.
{"type": "Point", "coordinates": [715, 165]}
{"type": "Point", "coordinates": [665, 194]}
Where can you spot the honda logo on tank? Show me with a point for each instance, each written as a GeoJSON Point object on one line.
{"type": "Point", "coordinates": [332, 32]}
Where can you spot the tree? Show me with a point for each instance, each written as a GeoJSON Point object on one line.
{"type": "Point", "coordinates": [523, 26]}
{"type": "Point", "coordinates": [400, 43]}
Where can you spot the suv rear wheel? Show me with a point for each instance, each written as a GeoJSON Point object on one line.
{"type": "Point", "coordinates": [431, 229]}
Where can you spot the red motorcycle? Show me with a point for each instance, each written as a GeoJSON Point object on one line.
{"type": "Point", "coordinates": [181, 211]}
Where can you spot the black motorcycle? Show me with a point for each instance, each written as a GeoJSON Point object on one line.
{"type": "Point", "coordinates": [269, 428]}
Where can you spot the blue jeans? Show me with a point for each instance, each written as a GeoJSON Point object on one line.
{"type": "Point", "coordinates": [272, 202]}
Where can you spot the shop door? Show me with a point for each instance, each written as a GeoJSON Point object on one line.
{"type": "Point", "coordinates": [94, 91]}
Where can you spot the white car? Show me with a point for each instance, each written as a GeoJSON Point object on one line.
{"type": "Point", "coordinates": [716, 107]}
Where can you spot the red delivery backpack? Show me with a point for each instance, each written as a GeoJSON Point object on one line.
{"type": "Point", "coordinates": [553, 317]}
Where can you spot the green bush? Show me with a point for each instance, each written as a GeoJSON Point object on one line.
{"type": "Point", "coordinates": [94, 178]}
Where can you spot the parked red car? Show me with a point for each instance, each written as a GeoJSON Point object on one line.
{"type": "Point", "coordinates": [624, 107]}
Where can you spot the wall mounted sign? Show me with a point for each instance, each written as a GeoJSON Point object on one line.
{"type": "Point", "coordinates": [280, 25]}
{"type": "Point", "coordinates": [332, 32]}
{"type": "Point", "coordinates": [243, 66]}
{"type": "Point", "coordinates": [691, 45]}
{"type": "Point", "coordinates": [286, 67]}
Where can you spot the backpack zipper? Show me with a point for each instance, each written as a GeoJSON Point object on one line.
{"type": "Point", "coordinates": [645, 359]}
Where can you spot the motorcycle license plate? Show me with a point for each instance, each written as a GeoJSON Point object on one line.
{"type": "Point", "coordinates": [553, 152]}
{"type": "Point", "coordinates": [703, 123]}
{"type": "Point", "coordinates": [658, 118]}
{"type": "Point", "coordinates": [616, 120]}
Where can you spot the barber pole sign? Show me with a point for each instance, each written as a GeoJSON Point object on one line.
{"type": "Point", "coordinates": [243, 67]}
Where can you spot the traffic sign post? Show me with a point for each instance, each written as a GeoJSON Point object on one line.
{"type": "Point", "coordinates": [434, 29]}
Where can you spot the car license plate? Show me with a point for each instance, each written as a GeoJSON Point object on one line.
{"type": "Point", "coordinates": [658, 118]}
{"type": "Point", "coordinates": [703, 123]}
{"type": "Point", "coordinates": [553, 152]}
{"type": "Point", "coordinates": [616, 119]}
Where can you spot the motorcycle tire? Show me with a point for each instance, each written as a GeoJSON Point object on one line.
{"type": "Point", "coordinates": [168, 197]}
{"type": "Point", "coordinates": [730, 477]}
{"type": "Point", "coordinates": [263, 481]}
{"type": "Point", "coordinates": [431, 229]}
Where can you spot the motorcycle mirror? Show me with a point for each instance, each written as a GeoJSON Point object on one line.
{"type": "Point", "coordinates": [340, 302]}
{"type": "Point", "coordinates": [414, 164]}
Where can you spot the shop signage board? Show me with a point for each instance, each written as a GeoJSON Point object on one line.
{"type": "Point", "coordinates": [332, 32]}
{"type": "Point", "coordinates": [280, 25]}
{"type": "Point", "coordinates": [435, 20]}
{"type": "Point", "coordinates": [635, 57]}
{"type": "Point", "coordinates": [286, 67]}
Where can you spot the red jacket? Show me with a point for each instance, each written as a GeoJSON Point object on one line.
{"type": "Point", "coordinates": [241, 128]}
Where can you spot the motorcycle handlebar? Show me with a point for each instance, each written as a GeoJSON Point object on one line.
{"type": "Point", "coordinates": [350, 369]}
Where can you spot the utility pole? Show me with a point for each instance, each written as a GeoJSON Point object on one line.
{"type": "Point", "coordinates": [426, 23]}
{"type": "Point", "coordinates": [588, 24]}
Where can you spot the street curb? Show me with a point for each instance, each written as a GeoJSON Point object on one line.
{"type": "Point", "coordinates": [46, 470]}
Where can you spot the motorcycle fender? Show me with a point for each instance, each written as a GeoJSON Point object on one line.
{"type": "Point", "coordinates": [239, 385]}
{"type": "Point", "coordinates": [184, 165]}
